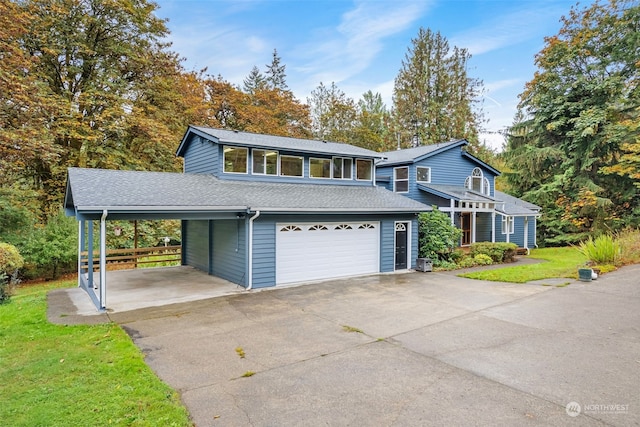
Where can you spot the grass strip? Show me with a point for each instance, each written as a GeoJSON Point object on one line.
{"type": "Point", "coordinates": [558, 262]}
{"type": "Point", "coordinates": [56, 375]}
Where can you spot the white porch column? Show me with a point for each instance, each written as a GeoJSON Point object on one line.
{"type": "Point", "coordinates": [452, 205]}
{"type": "Point", "coordinates": [473, 225]}
{"type": "Point", "coordinates": [526, 232]}
{"type": "Point", "coordinates": [90, 278]}
{"type": "Point", "coordinates": [103, 260]}
{"type": "Point", "coordinates": [493, 226]}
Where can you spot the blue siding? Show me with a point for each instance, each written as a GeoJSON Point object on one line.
{"type": "Point", "coordinates": [229, 250]}
{"type": "Point", "coordinates": [518, 232]}
{"type": "Point", "coordinates": [264, 241]}
{"type": "Point", "coordinates": [196, 244]}
{"type": "Point", "coordinates": [200, 156]}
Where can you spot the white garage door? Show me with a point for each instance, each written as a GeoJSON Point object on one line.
{"type": "Point", "coordinates": [314, 251]}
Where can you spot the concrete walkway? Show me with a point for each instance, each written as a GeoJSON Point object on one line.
{"type": "Point", "coordinates": [403, 349]}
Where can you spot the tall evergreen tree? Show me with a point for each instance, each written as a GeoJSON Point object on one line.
{"type": "Point", "coordinates": [372, 118]}
{"type": "Point", "coordinates": [434, 98]}
{"type": "Point", "coordinates": [275, 74]}
{"type": "Point", "coordinates": [578, 121]}
{"type": "Point", "coordinates": [255, 81]}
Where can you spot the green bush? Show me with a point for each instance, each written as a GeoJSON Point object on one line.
{"type": "Point", "coordinates": [498, 252]}
{"type": "Point", "coordinates": [10, 263]}
{"type": "Point", "coordinates": [482, 259]}
{"type": "Point", "coordinates": [51, 251]}
{"type": "Point", "coordinates": [438, 238]}
{"type": "Point", "coordinates": [605, 249]}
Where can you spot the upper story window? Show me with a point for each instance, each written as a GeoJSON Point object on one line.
{"type": "Point", "coordinates": [342, 167]}
{"type": "Point", "coordinates": [265, 162]}
{"type": "Point", "coordinates": [291, 166]}
{"type": "Point", "coordinates": [235, 159]}
{"type": "Point", "coordinates": [319, 168]}
{"type": "Point", "coordinates": [363, 170]}
{"type": "Point", "coordinates": [401, 179]}
{"type": "Point", "coordinates": [477, 182]}
{"type": "Point", "coordinates": [423, 174]}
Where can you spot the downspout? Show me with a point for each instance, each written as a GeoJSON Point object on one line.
{"type": "Point", "coordinates": [250, 257]}
{"type": "Point", "coordinates": [103, 260]}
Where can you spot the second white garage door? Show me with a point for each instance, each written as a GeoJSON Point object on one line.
{"type": "Point", "coordinates": [315, 251]}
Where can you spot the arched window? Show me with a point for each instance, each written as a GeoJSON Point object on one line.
{"type": "Point", "coordinates": [477, 182]}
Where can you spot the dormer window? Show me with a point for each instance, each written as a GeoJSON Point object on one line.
{"type": "Point", "coordinates": [291, 166]}
{"type": "Point", "coordinates": [235, 159]}
{"type": "Point", "coordinates": [265, 162]}
{"type": "Point", "coordinates": [319, 168]}
{"type": "Point", "coordinates": [363, 170]}
{"type": "Point", "coordinates": [342, 167]}
{"type": "Point", "coordinates": [477, 182]}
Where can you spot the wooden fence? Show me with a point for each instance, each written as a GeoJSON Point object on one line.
{"type": "Point", "coordinates": [120, 259]}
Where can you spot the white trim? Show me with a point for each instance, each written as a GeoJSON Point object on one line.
{"type": "Point", "coordinates": [330, 168]}
{"type": "Point", "coordinates": [280, 156]}
{"type": "Point", "coordinates": [264, 162]}
{"type": "Point", "coordinates": [395, 179]}
{"type": "Point", "coordinates": [423, 167]}
{"type": "Point", "coordinates": [342, 159]}
{"type": "Point", "coordinates": [408, 225]}
{"type": "Point", "coordinates": [372, 170]}
{"type": "Point", "coordinates": [224, 155]}
{"type": "Point", "coordinates": [103, 260]}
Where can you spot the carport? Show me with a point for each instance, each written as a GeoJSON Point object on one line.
{"type": "Point", "coordinates": [94, 199]}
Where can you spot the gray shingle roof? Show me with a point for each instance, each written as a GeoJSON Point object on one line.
{"type": "Point", "coordinates": [411, 154]}
{"type": "Point", "coordinates": [456, 192]}
{"type": "Point", "coordinates": [515, 206]}
{"type": "Point", "coordinates": [286, 143]}
{"type": "Point", "coordinates": [97, 189]}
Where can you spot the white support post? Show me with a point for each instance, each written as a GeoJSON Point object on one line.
{"type": "Point", "coordinates": [452, 211]}
{"type": "Point", "coordinates": [90, 278]}
{"type": "Point", "coordinates": [473, 225]}
{"type": "Point", "coordinates": [526, 232]}
{"type": "Point", "coordinates": [103, 260]}
{"type": "Point", "coordinates": [493, 226]}
{"type": "Point", "coordinates": [81, 243]}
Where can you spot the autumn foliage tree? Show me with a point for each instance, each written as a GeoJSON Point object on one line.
{"type": "Point", "coordinates": [574, 149]}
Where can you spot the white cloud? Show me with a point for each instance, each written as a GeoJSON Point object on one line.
{"type": "Point", "coordinates": [501, 84]}
{"type": "Point", "coordinates": [508, 29]}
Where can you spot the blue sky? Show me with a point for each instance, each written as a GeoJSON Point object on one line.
{"type": "Point", "coordinates": [360, 45]}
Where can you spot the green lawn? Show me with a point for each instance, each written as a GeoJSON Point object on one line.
{"type": "Point", "coordinates": [55, 375]}
{"type": "Point", "coordinates": [558, 262]}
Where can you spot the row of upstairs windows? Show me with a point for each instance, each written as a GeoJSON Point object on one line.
{"type": "Point", "coordinates": [267, 162]}
{"type": "Point", "coordinates": [401, 177]}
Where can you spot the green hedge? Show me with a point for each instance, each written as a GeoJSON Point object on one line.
{"type": "Point", "coordinates": [498, 252]}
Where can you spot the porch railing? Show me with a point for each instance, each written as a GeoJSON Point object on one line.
{"type": "Point", "coordinates": [118, 259]}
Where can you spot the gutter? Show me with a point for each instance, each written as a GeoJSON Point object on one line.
{"type": "Point", "coordinates": [250, 257]}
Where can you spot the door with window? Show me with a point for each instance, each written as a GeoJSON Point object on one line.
{"type": "Point", "coordinates": [465, 226]}
{"type": "Point", "coordinates": [402, 238]}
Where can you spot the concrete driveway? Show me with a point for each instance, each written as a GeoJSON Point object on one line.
{"type": "Point", "coordinates": [403, 349]}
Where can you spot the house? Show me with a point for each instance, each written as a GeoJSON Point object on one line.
{"type": "Point", "coordinates": [257, 210]}
{"type": "Point", "coordinates": [447, 176]}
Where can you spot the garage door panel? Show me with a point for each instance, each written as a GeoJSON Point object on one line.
{"type": "Point", "coordinates": [320, 251]}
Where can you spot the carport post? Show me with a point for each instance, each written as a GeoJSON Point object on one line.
{"type": "Point", "coordinates": [90, 278]}
{"type": "Point", "coordinates": [81, 244]}
{"type": "Point", "coordinates": [103, 260]}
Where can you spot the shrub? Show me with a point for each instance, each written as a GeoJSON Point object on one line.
{"type": "Point", "coordinates": [10, 263]}
{"type": "Point", "coordinates": [51, 250]}
{"type": "Point", "coordinates": [498, 252]}
{"type": "Point", "coordinates": [482, 259]}
{"type": "Point", "coordinates": [605, 249]}
{"type": "Point", "coordinates": [437, 236]}
{"type": "Point", "coordinates": [466, 262]}
{"type": "Point", "coordinates": [629, 246]}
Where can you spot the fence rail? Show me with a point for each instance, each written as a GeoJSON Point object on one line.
{"type": "Point", "coordinates": [124, 258]}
